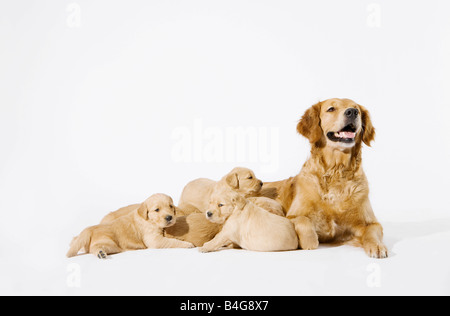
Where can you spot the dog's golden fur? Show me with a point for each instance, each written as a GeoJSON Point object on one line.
{"type": "Point", "coordinates": [197, 194]}
{"type": "Point", "coordinates": [141, 228]}
{"type": "Point", "coordinates": [247, 225]}
{"type": "Point", "coordinates": [194, 227]}
{"type": "Point", "coordinates": [329, 200]}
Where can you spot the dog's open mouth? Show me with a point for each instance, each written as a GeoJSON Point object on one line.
{"type": "Point", "coordinates": [346, 135]}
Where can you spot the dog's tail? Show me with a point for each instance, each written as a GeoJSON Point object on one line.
{"type": "Point", "coordinates": [80, 242]}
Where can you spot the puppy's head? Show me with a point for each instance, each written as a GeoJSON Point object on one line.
{"type": "Point", "coordinates": [223, 203]}
{"type": "Point", "coordinates": [158, 210]}
{"type": "Point", "coordinates": [243, 181]}
{"type": "Point", "coordinates": [338, 123]}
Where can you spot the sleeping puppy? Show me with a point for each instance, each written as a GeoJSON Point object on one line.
{"type": "Point", "coordinates": [247, 225]}
{"type": "Point", "coordinates": [329, 200]}
{"type": "Point", "coordinates": [194, 228]}
{"type": "Point", "coordinates": [139, 229]}
{"type": "Point", "coordinates": [197, 194]}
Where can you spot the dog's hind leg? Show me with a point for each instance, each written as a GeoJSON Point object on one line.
{"type": "Point", "coordinates": [104, 248]}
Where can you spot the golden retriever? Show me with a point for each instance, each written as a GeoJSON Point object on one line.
{"type": "Point", "coordinates": [329, 200]}
{"type": "Point", "coordinates": [193, 228]}
{"type": "Point", "coordinates": [139, 229]}
{"type": "Point", "coordinates": [197, 194]}
{"type": "Point", "coordinates": [247, 225]}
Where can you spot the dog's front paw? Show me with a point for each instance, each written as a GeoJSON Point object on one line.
{"type": "Point", "coordinates": [188, 245]}
{"type": "Point", "coordinates": [204, 250]}
{"type": "Point", "coordinates": [309, 241]}
{"type": "Point", "coordinates": [376, 250]}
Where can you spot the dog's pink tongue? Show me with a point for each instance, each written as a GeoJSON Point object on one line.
{"type": "Point", "coordinates": [347, 135]}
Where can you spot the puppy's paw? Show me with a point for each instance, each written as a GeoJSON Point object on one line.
{"type": "Point", "coordinates": [376, 250]}
{"type": "Point", "coordinates": [188, 245]}
{"type": "Point", "coordinates": [204, 250]}
{"type": "Point", "coordinates": [102, 255]}
{"type": "Point", "coordinates": [309, 241]}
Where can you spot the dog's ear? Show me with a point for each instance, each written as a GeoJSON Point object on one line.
{"type": "Point", "coordinates": [368, 129]}
{"type": "Point", "coordinates": [232, 180]}
{"type": "Point", "coordinates": [239, 201]}
{"type": "Point", "coordinates": [309, 125]}
{"type": "Point", "coordinates": [176, 210]}
{"type": "Point", "coordinates": [143, 211]}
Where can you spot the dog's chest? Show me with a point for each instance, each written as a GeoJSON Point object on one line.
{"type": "Point", "coordinates": [335, 195]}
{"type": "Point", "coordinates": [335, 213]}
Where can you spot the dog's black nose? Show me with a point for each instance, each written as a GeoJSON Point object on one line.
{"type": "Point", "coordinates": [351, 113]}
{"type": "Point", "coordinates": [209, 214]}
{"type": "Point", "coordinates": [169, 218]}
{"type": "Point", "coordinates": [261, 183]}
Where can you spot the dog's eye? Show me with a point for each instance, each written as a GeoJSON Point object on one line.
{"type": "Point", "coordinates": [157, 210]}
{"type": "Point", "coordinates": [220, 205]}
{"type": "Point", "coordinates": [250, 178]}
{"type": "Point", "coordinates": [332, 109]}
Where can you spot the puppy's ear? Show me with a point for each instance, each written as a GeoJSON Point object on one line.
{"type": "Point", "coordinates": [309, 125]}
{"type": "Point", "coordinates": [232, 180]}
{"type": "Point", "coordinates": [143, 211]}
{"type": "Point", "coordinates": [368, 129]}
{"type": "Point", "coordinates": [239, 201]}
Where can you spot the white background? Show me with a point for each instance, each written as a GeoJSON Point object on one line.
{"type": "Point", "coordinates": [94, 93]}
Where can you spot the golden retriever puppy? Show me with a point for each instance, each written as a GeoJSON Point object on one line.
{"type": "Point", "coordinates": [268, 204]}
{"type": "Point", "coordinates": [127, 210]}
{"type": "Point", "coordinates": [122, 212]}
{"type": "Point", "coordinates": [197, 194]}
{"type": "Point", "coordinates": [247, 225]}
{"type": "Point", "coordinates": [329, 200]}
{"type": "Point", "coordinates": [140, 229]}
{"type": "Point", "coordinates": [194, 228]}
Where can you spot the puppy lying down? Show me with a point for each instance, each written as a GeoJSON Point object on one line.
{"type": "Point", "coordinates": [247, 225]}
{"type": "Point", "coordinates": [197, 194]}
{"type": "Point", "coordinates": [140, 229]}
{"type": "Point", "coordinates": [195, 227]}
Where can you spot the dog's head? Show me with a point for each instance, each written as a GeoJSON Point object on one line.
{"type": "Point", "coordinates": [223, 203]}
{"type": "Point", "coordinates": [337, 123]}
{"type": "Point", "coordinates": [158, 210]}
{"type": "Point", "coordinates": [243, 181]}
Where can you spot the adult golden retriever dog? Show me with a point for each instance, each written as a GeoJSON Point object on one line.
{"type": "Point", "coordinates": [329, 200]}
